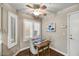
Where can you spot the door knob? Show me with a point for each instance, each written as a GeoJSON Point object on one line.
{"type": "Point", "coordinates": [70, 38]}
{"type": "Point", "coordinates": [70, 35]}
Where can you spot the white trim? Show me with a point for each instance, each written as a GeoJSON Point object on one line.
{"type": "Point", "coordinates": [68, 44]}
{"type": "Point", "coordinates": [20, 50]}
{"type": "Point", "coordinates": [68, 32]}
{"type": "Point", "coordinates": [59, 51]}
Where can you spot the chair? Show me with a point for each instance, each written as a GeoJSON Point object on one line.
{"type": "Point", "coordinates": [42, 46]}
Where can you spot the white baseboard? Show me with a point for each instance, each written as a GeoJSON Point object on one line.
{"type": "Point", "coordinates": [59, 51]}
{"type": "Point", "coordinates": [20, 50]}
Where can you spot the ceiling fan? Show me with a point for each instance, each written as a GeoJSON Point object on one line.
{"type": "Point", "coordinates": [37, 9]}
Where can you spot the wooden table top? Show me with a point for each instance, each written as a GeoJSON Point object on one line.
{"type": "Point", "coordinates": [42, 44]}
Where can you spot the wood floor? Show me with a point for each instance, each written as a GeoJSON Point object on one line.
{"type": "Point", "coordinates": [48, 52]}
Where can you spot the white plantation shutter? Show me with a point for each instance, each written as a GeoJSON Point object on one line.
{"type": "Point", "coordinates": [29, 28]}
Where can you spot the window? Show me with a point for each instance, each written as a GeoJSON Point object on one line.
{"type": "Point", "coordinates": [37, 28]}
{"type": "Point", "coordinates": [12, 30]}
{"type": "Point", "coordinates": [30, 29]}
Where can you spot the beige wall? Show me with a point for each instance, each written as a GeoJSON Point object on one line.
{"type": "Point", "coordinates": [23, 44]}
{"type": "Point", "coordinates": [5, 50]}
{"type": "Point", "coordinates": [20, 43]}
{"type": "Point", "coordinates": [58, 38]}
{"type": "Point", "coordinates": [0, 18]}
{"type": "Point", "coordinates": [45, 21]}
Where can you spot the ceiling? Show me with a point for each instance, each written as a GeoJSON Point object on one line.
{"type": "Point", "coordinates": [52, 7]}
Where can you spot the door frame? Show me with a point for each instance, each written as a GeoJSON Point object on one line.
{"type": "Point", "coordinates": [68, 32]}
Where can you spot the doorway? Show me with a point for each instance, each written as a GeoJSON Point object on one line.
{"type": "Point", "coordinates": [73, 34]}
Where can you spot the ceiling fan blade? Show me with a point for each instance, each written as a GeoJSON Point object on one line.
{"type": "Point", "coordinates": [36, 6]}
{"type": "Point", "coordinates": [42, 6]}
{"type": "Point", "coordinates": [30, 5]}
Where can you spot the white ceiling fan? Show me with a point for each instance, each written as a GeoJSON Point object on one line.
{"type": "Point", "coordinates": [37, 9]}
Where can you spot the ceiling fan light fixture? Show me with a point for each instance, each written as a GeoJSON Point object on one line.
{"type": "Point", "coordinates": [36, 12]}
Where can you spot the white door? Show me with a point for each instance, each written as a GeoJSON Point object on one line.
{"type": "Point", "coordinates": [74, 34]}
